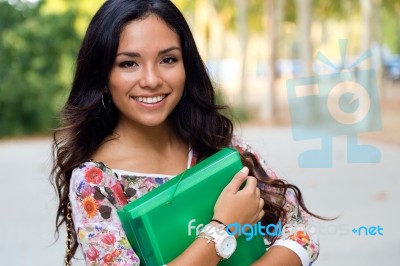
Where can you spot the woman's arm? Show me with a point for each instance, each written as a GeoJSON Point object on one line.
{"type": "Point", "coordinates": [94, 195]}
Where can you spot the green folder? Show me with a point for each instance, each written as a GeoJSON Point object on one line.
{"type": "Point", "coordinates": [157, 224]}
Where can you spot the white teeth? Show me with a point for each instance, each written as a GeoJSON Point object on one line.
{"type": "Point", "coordinates": [150, 100]}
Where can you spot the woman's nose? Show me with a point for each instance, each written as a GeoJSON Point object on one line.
{"type": "Point", "coordinates": [151, 78]}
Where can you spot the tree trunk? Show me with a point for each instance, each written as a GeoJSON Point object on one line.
{"type": "Point", "coordinates": [397, 12]}
{"type": "Point", "coordinates": [273, 12]}
{"type": "Point", "coordinates": [304, 23]}
{"type": "Point", "coordinates": [370, 35]}
{"type": "Point", "coordinates": [200, 27]}
{"type": "Point", "coordinates": [304, 16]}
{"type": "Point", "coordinates": [376, 40]}
{"type": "Point", "coordinates": [366, 37]}
{"type": "Point", "coordinates": [243, 39]}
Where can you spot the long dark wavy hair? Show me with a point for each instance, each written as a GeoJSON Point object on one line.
{"type": "Point", "coordinates": [197, 118]}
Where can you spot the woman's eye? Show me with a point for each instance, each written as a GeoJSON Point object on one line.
{"type": "Point", "coordinates": [127, 64]}
{"type": "Point", "coordinates": [169, 60]}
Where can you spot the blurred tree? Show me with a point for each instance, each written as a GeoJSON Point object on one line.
{"type": "Point", "coordinates": [36, 52]}
{"type": "Point", "coordinates": [367, 26]}
{"type": "Point", "coordinates": [274, 14]}
{"type": "Point", "coordinates": [185, 6]}
{"type": "Point", "coordinates": [243, 17]}
{"type": "Point", "coordinates": [323, 11]}
{"type": "Point", "coordinates": [391, 24]}
{"type": "Point", "coordinates": [371, 35]}
{"type": "Point", "coordinates": [83, 10]}
{"type": "Point", "coordinates": [304, 19]}
{"type": "Point", "coordinates": [241, 21]}
{"type": "Point", "coordinates": [225, 13]}
{"type": "Point", "coordinates": [38, 46]}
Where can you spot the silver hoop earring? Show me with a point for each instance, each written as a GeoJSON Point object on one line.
{"type": "Point", "coordinates": [108, 100]}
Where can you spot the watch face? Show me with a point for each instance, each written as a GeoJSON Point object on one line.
{"type": "Point", "coordinates": [228, 245]}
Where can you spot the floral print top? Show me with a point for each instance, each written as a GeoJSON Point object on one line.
{"type": "Point", "coordinates": [96, 192]}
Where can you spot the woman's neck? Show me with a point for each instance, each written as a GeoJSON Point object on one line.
{"type": "Point", "coordinates": [142, 149]}
{"type": "Point", "coordinates": [145, 137]}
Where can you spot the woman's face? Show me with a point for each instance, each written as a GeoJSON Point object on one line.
{"type": "Point", "coordinates": [148, 76]}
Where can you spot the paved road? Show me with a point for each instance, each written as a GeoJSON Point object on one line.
{"type": "Point", "coordinates": [361, 194]}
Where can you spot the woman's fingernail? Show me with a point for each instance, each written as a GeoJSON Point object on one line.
{"type": "Point", "coordinates": [244, 169]}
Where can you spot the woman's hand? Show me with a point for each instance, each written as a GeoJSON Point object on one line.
{"type": "Point", "coordinates": [242, 206]}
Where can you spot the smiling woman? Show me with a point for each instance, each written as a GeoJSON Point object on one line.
{"type": "Point", "coordinates": [148, 77]}
{"type": "Point", "coordinates": [142, 110]}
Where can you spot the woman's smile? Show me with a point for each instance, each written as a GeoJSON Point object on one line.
{"type": "Point", "coordinates": [150, 99]}
{"type": "Point", "coordinates": [150, 103]}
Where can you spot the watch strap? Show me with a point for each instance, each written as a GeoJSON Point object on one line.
{"type": "Point", "coordinates": [221, 223]}
{"type": "Point", "coordinates": [210, 231]}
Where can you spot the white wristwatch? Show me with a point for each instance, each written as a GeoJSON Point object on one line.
{"type": "Point", "coordinates": [225, 244]}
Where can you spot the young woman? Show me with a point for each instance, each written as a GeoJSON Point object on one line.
{"type": "Point", "coordinates": [142, 110]}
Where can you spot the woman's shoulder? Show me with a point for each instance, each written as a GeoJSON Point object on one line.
{"type": "Point", "coordinates": [96, 178]}
{"type": "Point", "coordinates": [95, 173]}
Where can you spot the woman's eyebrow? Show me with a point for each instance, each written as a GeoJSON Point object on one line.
{"type": "Point", "coordinates": [130, 54]}
{"type": "Point", "coordinates": [165, 51]}
{"type": "Point", "coordinates": [135, 54]}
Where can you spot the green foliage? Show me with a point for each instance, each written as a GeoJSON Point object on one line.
{"type": "Point", "coordinates": [36, 66]}
{"type": "Point", "coordinates": [340, 9]}
{"type": "Point", "coordinates": [256, 13]}
{"type": "Point", "coordinates": [290, 11]}
{"type": "Point", "coordinates": [323, 10]}
{"type": "Point", "coordinates": [390, 12]}
{"type": "Point", "coordinates": [228, 12]}
{"type": "Point", "coordinates": [185, 6]}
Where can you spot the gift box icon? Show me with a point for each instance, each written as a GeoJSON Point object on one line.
{"type": "Point", "coordinates": [343, 103]}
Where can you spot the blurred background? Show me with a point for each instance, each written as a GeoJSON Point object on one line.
{"type": "Point", "coordinates": [258, 52]}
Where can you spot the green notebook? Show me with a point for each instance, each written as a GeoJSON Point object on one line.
{"type": "Point", "coordinates": [157, 224]}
